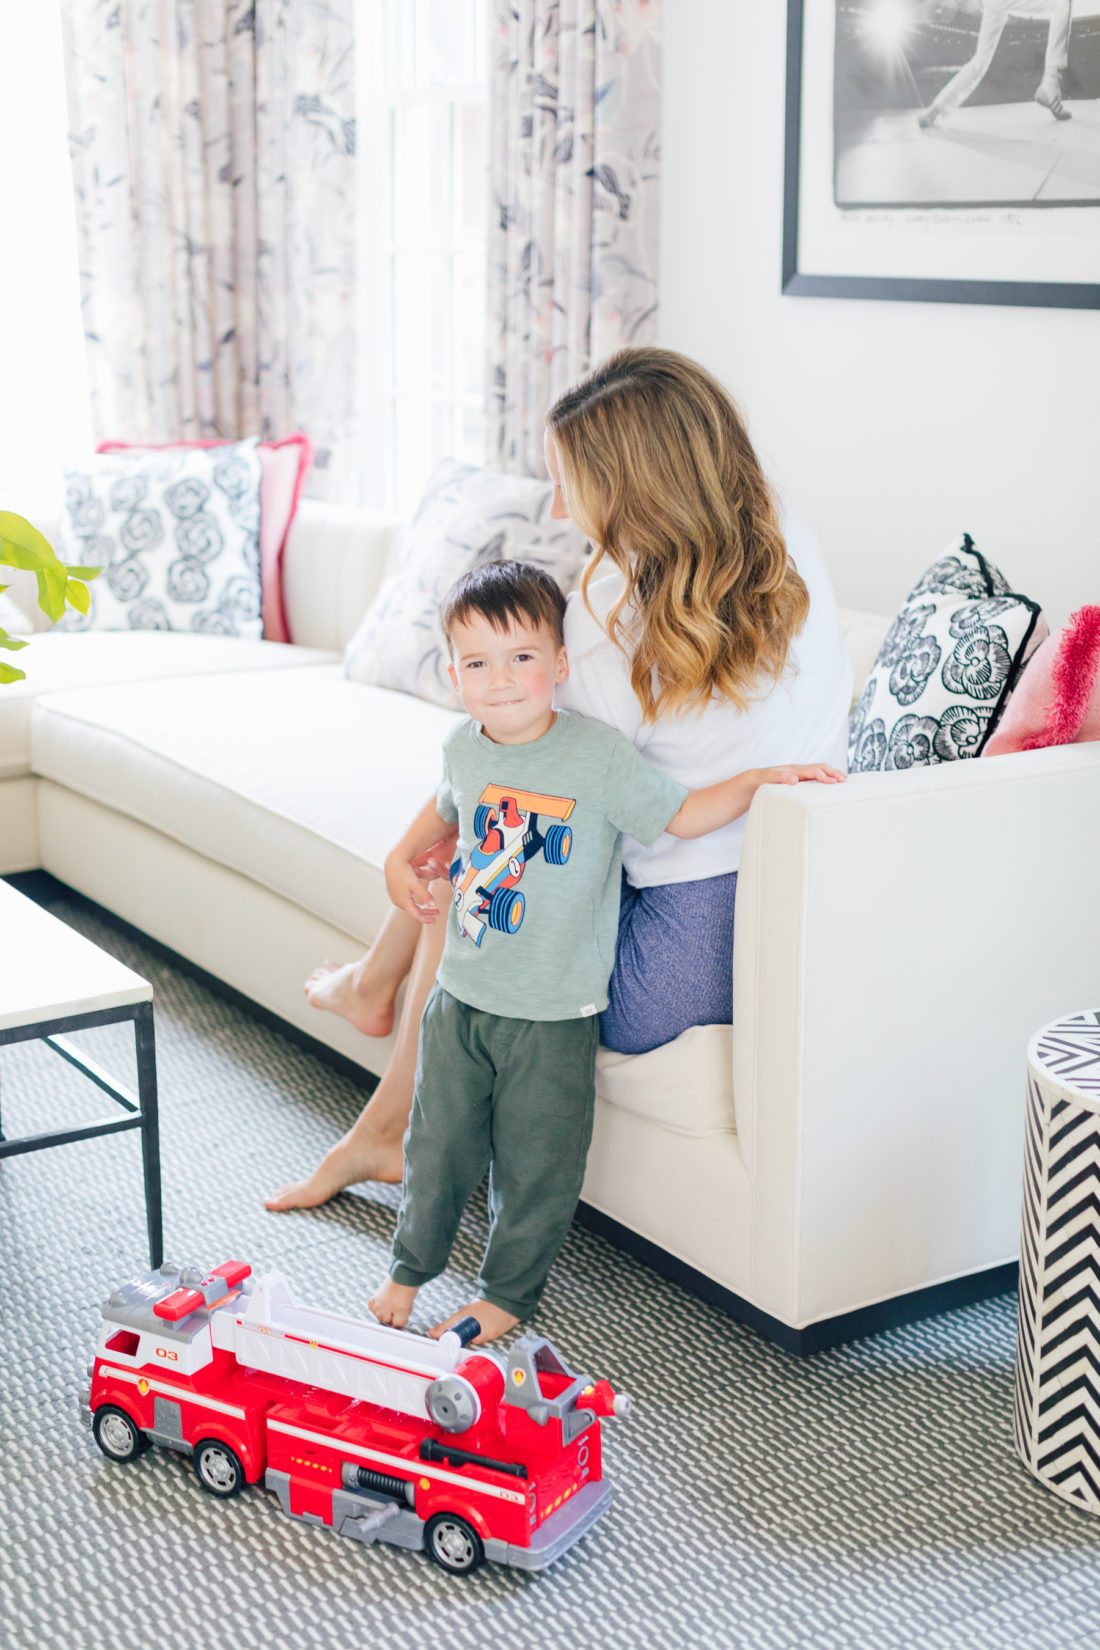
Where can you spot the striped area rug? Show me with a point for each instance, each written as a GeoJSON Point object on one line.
{"type": "Point", "coordinates": [866, 1499]}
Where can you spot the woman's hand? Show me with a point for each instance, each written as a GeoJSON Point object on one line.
{"type": "Point", "coordinates": [407, 892]}
{"type": "Point", "coordinates": [436, 860]}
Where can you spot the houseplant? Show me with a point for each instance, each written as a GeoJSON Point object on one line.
{"type": "Point", "coordinates": [59, 584]}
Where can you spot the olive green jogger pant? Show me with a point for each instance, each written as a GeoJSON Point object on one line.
{"type": "Point", "coordinates": [511, 1096]}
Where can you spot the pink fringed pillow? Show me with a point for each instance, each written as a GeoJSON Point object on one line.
{"type": "Point", "coordinates": [1057, 699]}
{"type": "Point", "coordinates": [284, 466]}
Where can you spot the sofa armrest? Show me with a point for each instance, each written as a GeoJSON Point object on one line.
{"type": "Point", "coordinates": [898, 940]}
{"type": "Point", "coordinates": [334, 561]}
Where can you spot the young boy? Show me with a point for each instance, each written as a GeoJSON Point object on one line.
{"type": "Point", "coordinates": [506, 1068]}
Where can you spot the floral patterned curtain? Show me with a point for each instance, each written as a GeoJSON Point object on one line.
{"type": "Point", "coordinates": [213, 148]}
{"type": "Point", "coordinates": [575, 162]}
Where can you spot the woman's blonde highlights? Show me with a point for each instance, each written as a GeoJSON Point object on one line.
{"type": "Point", "coordinates": [658, 469]}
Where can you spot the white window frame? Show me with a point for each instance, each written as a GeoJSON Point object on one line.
{"type": "Point", "coordinates": [379, 100]}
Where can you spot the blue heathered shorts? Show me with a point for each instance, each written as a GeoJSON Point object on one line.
{"type": "Point", "coordinates": [673, 963]}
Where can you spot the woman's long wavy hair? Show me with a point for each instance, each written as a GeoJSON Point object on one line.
{"type": "Point", "coordinates": [657, 468]}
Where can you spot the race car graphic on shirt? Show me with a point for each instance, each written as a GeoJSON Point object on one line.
{"type": "Point", "coordinates": [508, 832]}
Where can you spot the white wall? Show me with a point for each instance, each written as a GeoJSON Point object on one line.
{"type": "Point", "coordinates": [895, 426]}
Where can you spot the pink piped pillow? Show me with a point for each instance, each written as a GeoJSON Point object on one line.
{"type": "Point", "coordinates": [1057, 699]}
{"type": "Point", "coordinates": [284, 466]}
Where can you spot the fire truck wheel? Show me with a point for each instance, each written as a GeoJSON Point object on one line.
{"type": "Point", "coordinates": [218, 1469]}
{"type": "Point", "coordinates": [453, 1544]}
{"type": "Point", "coordinates": [116, 1434]}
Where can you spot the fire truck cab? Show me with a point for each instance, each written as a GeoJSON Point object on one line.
{"type": "Point", "coordinates": [379, 1433]}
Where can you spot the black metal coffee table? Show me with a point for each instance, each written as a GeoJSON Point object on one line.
{"type": "Point", "coordinates": [54, 981]}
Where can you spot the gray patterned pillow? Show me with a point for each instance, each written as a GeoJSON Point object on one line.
{"type": "Point", "coordinates": [467, 516]}
{"type": "Point", "coordinates": [177, 535]}
{"type": "Point", "coordinates": [947, 666]}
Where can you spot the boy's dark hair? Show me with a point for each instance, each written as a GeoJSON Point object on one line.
{"type": "Point", "coordinates": [506, 593]}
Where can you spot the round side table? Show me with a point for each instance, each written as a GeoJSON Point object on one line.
{"type": "Point", "coordinates": [1057, 1409]}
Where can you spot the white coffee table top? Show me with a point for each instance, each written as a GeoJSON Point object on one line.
{"type": "Point", "coordinates": [48, 971]}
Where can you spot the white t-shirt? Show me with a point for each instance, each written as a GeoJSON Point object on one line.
{"type": "Point", "coordinates": [801, 718]}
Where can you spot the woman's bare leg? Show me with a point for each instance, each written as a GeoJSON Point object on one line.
{"type": "Point", "coordinates": [364, 991]}
{"type": "Point", "coordinates": [371, 1149]}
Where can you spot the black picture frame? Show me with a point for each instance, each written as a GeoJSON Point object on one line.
{"type": "Point", "coordinates": [799, 283]}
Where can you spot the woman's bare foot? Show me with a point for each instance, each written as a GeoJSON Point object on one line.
{"type": "Point", "coordinates": [392, 1303]}
{"type": "Point", "coordinates": [494, 1323]}
{"type": "Point", "coordinates": [350, 991]}
{"type": "Point", "coordinates": [371, 1156]}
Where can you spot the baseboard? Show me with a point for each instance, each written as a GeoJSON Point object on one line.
{"type": "Point", "coordinates": [815, 1337]}
{"type": "Point", "coordinates": [43, 888]}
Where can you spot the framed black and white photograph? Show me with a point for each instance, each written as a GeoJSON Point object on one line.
{"type": "Point", "coordinates": [946, 150]}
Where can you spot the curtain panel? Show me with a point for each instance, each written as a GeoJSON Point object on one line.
{"type": "Point", "coordinates": [213, 149]}
{"type": "Point", "coordinates": [575, 163]}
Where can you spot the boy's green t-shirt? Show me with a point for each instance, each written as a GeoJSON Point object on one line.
{"type": "Point", "coordinates": [535, 888]}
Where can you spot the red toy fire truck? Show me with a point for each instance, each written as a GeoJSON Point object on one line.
{"type": "Point", "coordinates": [381, 1434]}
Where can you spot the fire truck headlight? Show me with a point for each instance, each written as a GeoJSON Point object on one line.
{"type": "Point", "coordinates": [622, 1405]}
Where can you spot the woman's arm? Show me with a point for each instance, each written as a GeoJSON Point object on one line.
{"type": "Point", "coordinates": [717, 805]}
{"type": "Point", "coordinates": [403, 885]}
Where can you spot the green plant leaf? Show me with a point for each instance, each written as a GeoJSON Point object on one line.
{"type": "Point", "coordinates": [22, 545]}
{"type": "Point", "coordinates": [12, 642]}
{"type": "Point", "coordinates": [52, 584]}
{"type": "Point", "coordinates": [79, 595]}
{"type": "Point", "coordinates": [8, 673]}
{"type": "Point", "coordinates": [79, 571]}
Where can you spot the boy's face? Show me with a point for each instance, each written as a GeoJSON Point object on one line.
{"type": "Point", "coordinates": [506, 678]}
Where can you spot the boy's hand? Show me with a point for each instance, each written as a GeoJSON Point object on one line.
{"type": "Point", "coordinates": [408, 893]}
{"type": "Point", "coordinates": [795, 773]}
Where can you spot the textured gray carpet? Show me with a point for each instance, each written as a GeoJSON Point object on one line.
{"type": "Point", "coordinates": [866, 1498]}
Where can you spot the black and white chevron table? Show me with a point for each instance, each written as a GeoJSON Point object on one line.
{"type": "Point", "coordinates": [1057, 1410]}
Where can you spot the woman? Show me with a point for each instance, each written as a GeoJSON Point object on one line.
{"type": "Point", "coordinates": [711, 640]}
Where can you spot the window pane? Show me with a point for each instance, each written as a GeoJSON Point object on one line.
{"type": "Point", "coordinates": [470, 435]}
{"type": "Point", "coordinates": [469, 324]}
{"type": "Point", "coordinates": [471, 173]}
{"type": "Point", "coordinates": [421, 312]}
{"type": "Point", "coordinates": [421, 169]}
{"type": "Point", "coordinates": [423, 437]}
{"type": "Point", "coordinates": [446, 43]}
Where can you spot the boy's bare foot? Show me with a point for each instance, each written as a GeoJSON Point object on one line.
{"type": "Point", "coordinates": [346, 989]}
{"type": "Point", "coordinates": [370, 1157]}
{"type": "Point", "coordinates": [392, 1303]}
{"type": "Point", "coordinates": [494, 1323]}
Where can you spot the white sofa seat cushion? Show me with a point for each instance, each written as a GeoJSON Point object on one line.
{"type": "Point", "coordinates": [685, 1085]}
{"type": "Point", "coordinates": [297, 778]}
{"type": "Point", "coordinates": [58, 661]}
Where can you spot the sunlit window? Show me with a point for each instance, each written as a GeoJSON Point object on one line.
{"type": "Point", "coordinates": [45, 422]}
{"type": "Point", "coordinates": [424, 72]}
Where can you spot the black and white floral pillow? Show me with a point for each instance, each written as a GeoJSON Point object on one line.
{"type": "Point", "coordinates": [177, 534]}
{"type": "Point", "coordinates": [466, 517]}
{"type": "Point", "coordinates": [946, 668]}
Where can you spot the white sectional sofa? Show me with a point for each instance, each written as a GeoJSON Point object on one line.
{"type": "Point", "coordinates": [848, 1156]}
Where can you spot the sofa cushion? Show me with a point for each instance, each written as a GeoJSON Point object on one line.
{"type": "Point", "coordinates": [57, 661]}
{"type": "Point", "coordinates": [686, 1085]}
{"type": "Point", "coordinates": [946, 668]}
{"type": "Point", "coordinates": [1057, 700]}
{"type": "Point", "coordinates": [284, 466]}
{"type": "Point", "coordinates": [293, 777]}
{"type": "Point", "coordinates": [467, 516]}
{"type": "Point", "coordinates": [864, 634]}
{"type": "Point", "coordinates": [177, 536]}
